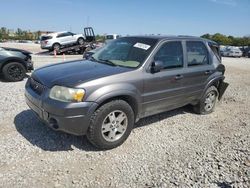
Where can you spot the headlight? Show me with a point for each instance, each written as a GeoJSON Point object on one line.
{"type": "Point", "coordinates": [65, 94]}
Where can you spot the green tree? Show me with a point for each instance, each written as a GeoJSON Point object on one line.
{"type": "Point", "coordinates": [206, 36]}
{"type": "Point", "coordinates": [4, 32]}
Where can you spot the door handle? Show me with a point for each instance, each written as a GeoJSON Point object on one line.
{"type": "Point", "coordinates": [178, 77]}
{"type": "Point", "coordinates": [208, 72]}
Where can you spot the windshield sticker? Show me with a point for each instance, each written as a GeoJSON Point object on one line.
{"type": "Point", "coordinates": [142, 46]}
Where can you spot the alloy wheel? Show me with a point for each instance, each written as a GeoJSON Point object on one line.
{"type": "Point", "coordinates": [114, 126]}
{"type": "Point", "coordinates": [210, 100]}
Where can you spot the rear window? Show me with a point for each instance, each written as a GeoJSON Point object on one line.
{"type": "Point", "coordinates": [46, 38]}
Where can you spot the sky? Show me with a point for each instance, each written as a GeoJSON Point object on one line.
{"type": "Point", "coordinates": [133, 17]}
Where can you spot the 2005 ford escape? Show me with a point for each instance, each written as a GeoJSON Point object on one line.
{"type": "Point", "coordinates": [128, 79]}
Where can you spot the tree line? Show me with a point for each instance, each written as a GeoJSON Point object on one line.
{"type": "Point", "coordinates": [228, 40]}
{"type": "Point", "coordinates": [19, 34]}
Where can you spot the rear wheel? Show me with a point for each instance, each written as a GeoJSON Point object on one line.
{"type": "Point", "coordinates": [111, 124]}
{"type": "Point", "coordinates": [207, 103]}
{"type": "Point", "coordinates": [14, 72]}
{"type": "Point", "coordinates": [56, 47]}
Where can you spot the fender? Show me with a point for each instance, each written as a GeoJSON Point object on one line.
{"type": "Point", "coordinates": [13, 59]}
{"type": "Point", "coordinates": [115, 90]}
{"type": "Point", "coordinates": [215, 79]}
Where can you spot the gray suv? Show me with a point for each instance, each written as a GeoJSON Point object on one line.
{"type": "Point", "coordinates": [126, 80]}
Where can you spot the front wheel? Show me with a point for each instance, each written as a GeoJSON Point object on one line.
{"type": "Point", "coordinates": [14, 72]}
{"type": "Point", "coordinates": [80, 41]}
{"type": "Point", "coordinates": [111, 124]}
{"type": "Point", "coordinates": [207, 103]}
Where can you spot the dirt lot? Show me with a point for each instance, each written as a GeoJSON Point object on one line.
{"type": "Point", "coordinates": [173, 149]}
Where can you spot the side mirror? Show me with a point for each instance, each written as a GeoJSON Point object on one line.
{"type": "Point", "coordinates": [156, 66]}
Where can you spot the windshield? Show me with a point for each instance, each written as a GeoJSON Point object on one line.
{"type": "Point", "coordinates": [127, 52]}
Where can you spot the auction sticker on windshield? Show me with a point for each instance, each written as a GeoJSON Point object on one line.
{"type": "Point", "coordinates": [142, 46]}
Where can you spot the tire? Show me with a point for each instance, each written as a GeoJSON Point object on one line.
{"type": "Point", "coordinates": [80, 41]}
{"type": "Point", "coordinates": [56, 47]}
{"type": "Point", "coordinates": [207, 103]}
{"type": "Point", "coordinates": [14, 72]}
{"type": "Point", "coordinates": [104, 132]}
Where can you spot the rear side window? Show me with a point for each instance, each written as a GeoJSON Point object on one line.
{"type": "Point", "coordinates": [63, 35]}
{"type": "Point", "coordinates": [216, 50]}
{"type": "Point", "coordinates": [197, 53]}
{"type": "Point", "coordinates": [46, 38]}
{"type": "Point", "coordinates": [170, 54]}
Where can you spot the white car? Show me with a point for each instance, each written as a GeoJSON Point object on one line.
{"type": "Point", "coordinates": [54, 41]}
{"type": "Point", "coordinates": [232, 52]}
{"type": "Point", "coordinates": [110, 37]}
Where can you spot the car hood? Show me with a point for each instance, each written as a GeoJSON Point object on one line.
{"type": "Point", "coordinates": [18, 50]}
{"type": "Point", "coordinates": [73, 73]}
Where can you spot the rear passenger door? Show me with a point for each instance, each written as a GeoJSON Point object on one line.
{"type": "Point", "coordinates": [198, 68]}
{"type": "Point", "coordinates": [164, 90]}
{"type": "Point", "coordinates": [73, 38]}
{"type": "Point", "coordinates": [64, 38]}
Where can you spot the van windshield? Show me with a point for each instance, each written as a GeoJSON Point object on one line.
{"type": "Point", "coordinates": [127, 52]}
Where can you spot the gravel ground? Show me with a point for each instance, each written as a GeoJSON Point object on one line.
{"type": "Point", "coordinates": [172, 149]}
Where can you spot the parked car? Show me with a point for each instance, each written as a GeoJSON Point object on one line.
{"type": "Point", "coordinates": [14, 63]}
{"type": "Point", "coordinates": [54, 41]}
{"type": "Point", "coordinates": [245, 51]}
{"type": "Point", "coordinates": [110, 37]}
{"type": "Point", "coordinates": [222, 51]}
{"type": "Point", "coordinates": [232, 52]}
{"type": "Point", "coordinates": [126, 80]}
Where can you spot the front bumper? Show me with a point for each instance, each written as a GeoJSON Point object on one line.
{"type": "Point", "coordinates": [30, 66]}
{"type": "Point", "coordinates": [73, 118]}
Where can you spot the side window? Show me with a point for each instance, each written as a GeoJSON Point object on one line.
{"type": "Point", "coordinates": [60, 35]}
{"type": "Point", "coordinates": [197, 53]}
{"type": "Point", "coordinates": [63, 35]}
{"type": "Point", "coordinates": [171, 55]}
{"type": "Point", "coordinates": [70, 34]}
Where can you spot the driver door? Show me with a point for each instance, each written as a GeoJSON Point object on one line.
{"type": "Point", "coordinates": [164, 90]}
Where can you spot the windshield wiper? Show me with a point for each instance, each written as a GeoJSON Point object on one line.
{"type": "Point", "coordinates": [93, 59]}
{"type": "Point", "coordinates": [107, 62]}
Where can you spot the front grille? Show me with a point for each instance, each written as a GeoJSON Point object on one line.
{"type": "Point", "coordinates": [36, 86]}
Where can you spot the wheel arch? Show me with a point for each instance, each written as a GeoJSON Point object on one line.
{"type": "Point", "coordinates": [128, 97]}
{"type": "Point", "coordinates": [11, 60]}
{"type": "Point", "coordinates": [80, 37]}
{"type": "Point", "coordinates": [55, 44]}
{"type": "Point", "coordinates": [217, 82]}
